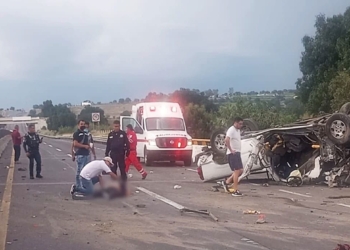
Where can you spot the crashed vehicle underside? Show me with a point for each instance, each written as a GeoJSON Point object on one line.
{"type": "Point", "coordinates": [310, 151]}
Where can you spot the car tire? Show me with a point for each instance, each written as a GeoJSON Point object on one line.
{"type": "Point", "coordinates": [338, 129]}
{"type": "Point", "coordinates": [217, 142]}
{"type": "Point", "coordinates": [188, 162]}
{"type": "Point", "coordinates": [249, 125]}
{"type": "Point", "coordinates": [345, 109]}
{"type": "Point", "coordinates": [148, 162]}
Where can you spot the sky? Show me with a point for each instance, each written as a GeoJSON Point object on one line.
{"type": "Point", "coordinates": [70, 51]}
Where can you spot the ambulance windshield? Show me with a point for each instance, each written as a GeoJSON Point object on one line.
{"type": "Point", "coordinates": [165, 123]}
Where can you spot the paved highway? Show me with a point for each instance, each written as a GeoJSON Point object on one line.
{"type": "Point", "coordinates": [42, 215]}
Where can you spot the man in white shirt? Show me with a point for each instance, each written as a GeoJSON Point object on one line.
{"type": "Point", "coordinates": [92, 174]}
{"type": "Point", "coordinates": [233, 144]}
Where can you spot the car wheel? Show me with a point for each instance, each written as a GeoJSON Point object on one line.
{"type": "Point", "coordinates": [147, 160]}
{"type": "Point", "coordinates": [249, 125]}
{"type": "Point", "coordinates": [338, 129]}
{"type": "Point", "coordinates": [217, 142]}
{"type": "Point", "coordinates": [188, 162]}
{"type": "Point", "coordinates": [345, 109]}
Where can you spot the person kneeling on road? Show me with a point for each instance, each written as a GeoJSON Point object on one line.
{"type": "Point", "coordinates": [92, 174]}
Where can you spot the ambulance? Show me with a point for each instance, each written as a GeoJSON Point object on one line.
{"type": "Point", "coordinates": [161, 132]}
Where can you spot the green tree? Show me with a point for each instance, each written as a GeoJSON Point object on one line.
{"type": "Point", "coordinates": [325, 54]}
{"type": "Point", "coordinates": [86, 114]}
{"type": "Point", "coordinates": [339, 89]}
{"type": "Point", "coordinates": [125, 113]}
{"type": "Point", "coordinates": [127, 100]}
{"type": "Point", "coordinates": [198, 120]}
{"type": "Point", "coordinates": [121, 100]}
{"type": "Point", "coordinates": [12, 108]}
{"type": "Point", "coordinates": [47, 109]}
{"type": "Point", "coordinates": [60, 116]}
{"type": "Point", "coordinates": [32, 113]}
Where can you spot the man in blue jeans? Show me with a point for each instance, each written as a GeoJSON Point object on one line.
{"type": "Point", "coordinates": [82, 150]}
{"type": "Point", "coordinates": [92, 174]}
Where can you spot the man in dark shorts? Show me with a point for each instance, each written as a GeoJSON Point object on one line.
{"type": "Point", "coordinates": [233, 144]}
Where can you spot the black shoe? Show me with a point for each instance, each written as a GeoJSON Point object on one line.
{"type": "Point", "coordinates": [32, 177]}
{"type": "Point", "coordinates": [73, 189]}
{"type": "Point", "coordinates": [237, 194]}
{"type": "Point", "coordinates": [39, 176]}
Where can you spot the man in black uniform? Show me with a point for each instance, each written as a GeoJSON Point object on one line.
{"type": "Point", "coordinates": [31, 147]}
{"type": "Point", "coordinates": [118, 147]}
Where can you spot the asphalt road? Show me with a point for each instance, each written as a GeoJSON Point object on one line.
{"type": "Point", "coordinates": [43, 215]}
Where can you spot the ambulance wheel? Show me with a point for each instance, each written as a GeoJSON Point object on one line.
{"type": "Point", "coordinates": [148, 162]}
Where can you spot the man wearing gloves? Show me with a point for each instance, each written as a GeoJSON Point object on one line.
{"type": "Point", "coordinates": [117, 148]}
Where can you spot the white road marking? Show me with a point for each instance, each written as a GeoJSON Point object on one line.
{"type": "Point", "coordinates": [161, 198]}
{"type": "Point", "coordinates": [45, 143]}
{"type": "Point", "coordinates": [43, 183]}
{"type": "Point", "coordinates": [255, 184]}
{"type": "Point", "coordinates": [343, 205]}
{"type": "Point", "coordinates": [193, 170]}
{"type": "Point", "coordinates": [289, 192]}
{"type": "Point", "coordinates": [50, 146]}
{"type": "Point", "coordinates": [58, 149]}
{"type": "Point", "coordinates": [69, 155]}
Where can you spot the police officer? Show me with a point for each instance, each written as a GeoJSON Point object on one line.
{"type": "Point", "coordinates": [118, 147]}
{"type": "Point", "coordinates": [31, 147]}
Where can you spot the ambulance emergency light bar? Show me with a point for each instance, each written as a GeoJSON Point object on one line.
{"type": "Point", "coordinates": [173, 109]}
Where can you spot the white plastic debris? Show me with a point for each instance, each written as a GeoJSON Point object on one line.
{"type": "Point", "coordinates": [137, 191]}
{"type": "Point", "coordinates": [151, 172]}
{"type": "Point", "coordinates": [129, 175]}
{"type": "Point", "coordinates": [177, 187]}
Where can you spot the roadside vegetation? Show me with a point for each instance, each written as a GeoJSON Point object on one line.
{"type": "Point", "coordinates": [323, 87]}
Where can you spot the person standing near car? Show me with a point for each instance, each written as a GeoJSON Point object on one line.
{"type": "Point", "coordinates": [31, 144]}
{"type": "Point", "coordinates": [132, 158]}
{"type": "Point", "coordinates": [233, 144]}
{"type": "Point", "coordinates": [17, 141]}
{"type": "Point", "coordinates": [117, 148]}
{"type": "Point", "coordinates": [81, 149]}
{"type": "Point", "coordinates": [91, 143]}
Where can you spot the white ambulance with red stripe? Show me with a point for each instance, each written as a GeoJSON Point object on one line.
{"type": "Point", "coordinates": [161, 132]}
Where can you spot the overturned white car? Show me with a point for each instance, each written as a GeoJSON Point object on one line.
{"type": "Point", "coordinates": [311, 151]}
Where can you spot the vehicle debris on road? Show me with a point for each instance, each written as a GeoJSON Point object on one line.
{"type": "Point", "coordinates": [251, 212]}
{"type": "Point", "coordinates": [205, 212]}
{"type": "Point", "coordinates": [177, 187]}
{"type": "Point", "coordinates": [261, 219]}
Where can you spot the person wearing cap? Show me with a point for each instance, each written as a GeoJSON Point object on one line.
{"type": "Point", "coordinates": [92, 174]}
{"type": "Point", "coordinates": [132, 158]}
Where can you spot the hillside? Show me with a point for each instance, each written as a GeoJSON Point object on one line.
{"type": "Point", "coordinates": [112, 110]}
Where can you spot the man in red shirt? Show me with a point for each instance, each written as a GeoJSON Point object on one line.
{"type": "Point", "coordinates": [17, 141]}
{"type": "Point", "coordinates": [132, 158]}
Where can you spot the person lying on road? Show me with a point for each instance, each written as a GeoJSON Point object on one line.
{"type": "Point", "coordinates": [92, 174]}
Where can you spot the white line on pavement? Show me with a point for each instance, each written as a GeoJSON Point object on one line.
{"type": "Point", "coordinates": [42, 183]}
{"type": "Point", "coordinates": [289, 192]}
{"type": "Point", "coordinates": [69, 155]}
{"type": "Point", "coordinates": [58, 149]}
{"type": "Point", "coordinates": [343, 205]}
{"type": "Point", "coordinates": [45, 143]}
{"type": "Point", "coordinates": [193, 170]}
{"type": "Point", "coordinates": [161, 198]}
{"type": "Point", "coordinates": [50, 146]}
